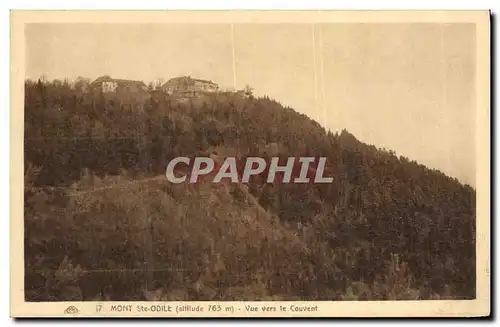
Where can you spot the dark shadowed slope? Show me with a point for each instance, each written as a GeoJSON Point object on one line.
{"type": "Point", "coordinates": [386, 228]}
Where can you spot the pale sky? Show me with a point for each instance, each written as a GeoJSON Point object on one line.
{"type": "Point", "coordinates": [406, 87]}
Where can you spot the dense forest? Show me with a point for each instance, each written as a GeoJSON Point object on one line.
{"type": "Point", "coordinates": [103, 223]}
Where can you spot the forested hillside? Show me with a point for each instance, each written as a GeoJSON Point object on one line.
{"type": "Point", "coordinates": [102, 221]}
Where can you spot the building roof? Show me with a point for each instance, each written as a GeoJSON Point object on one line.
{"type": "Point", "coordinates": [107, 78]}
{"type": "Point", "coordinates": [187, 79]}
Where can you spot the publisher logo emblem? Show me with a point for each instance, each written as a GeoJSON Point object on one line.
{"type": "Point", "coordinates": [71, 310]}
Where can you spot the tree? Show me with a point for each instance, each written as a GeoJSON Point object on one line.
{"type": "Point", "coordinates": [82, 83]}
{"type": "Point", "coordinates": [248, 90]}
{"type": "Point", "coordinates": [159, 82]}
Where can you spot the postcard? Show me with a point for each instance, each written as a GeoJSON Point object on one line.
{"type": "Point", "coordinates": [250, 164]}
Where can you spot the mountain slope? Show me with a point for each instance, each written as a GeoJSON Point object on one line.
{"type": "Point", "coordinates": [386, 228]}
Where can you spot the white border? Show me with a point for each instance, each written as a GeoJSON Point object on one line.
{"type": "Point", "coordinates": [148, 4]}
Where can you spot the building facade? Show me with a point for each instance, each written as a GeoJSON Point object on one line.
{"type": "Point", "coordinates": [187, 86]}
{"type": "Point", "coordinates": [126, 93]}
{"type": "Point", "coordinates": [114, 85]}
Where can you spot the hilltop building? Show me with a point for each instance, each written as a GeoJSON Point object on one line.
{"type": "Point", "coordinates": [187, 86]}
{"type": "Point", "coordinates": [128, 93]}
{"type": "Point", "coordinates": [107, 84]}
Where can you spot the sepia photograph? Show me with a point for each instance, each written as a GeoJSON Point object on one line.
{"type": "Point", "coordinates": [244, 164]}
